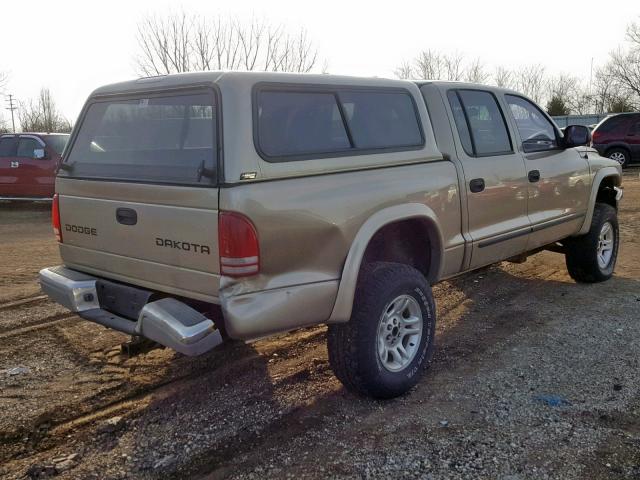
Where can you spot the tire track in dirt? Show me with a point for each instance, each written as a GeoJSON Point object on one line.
{"type": "Point", "coordinates": [49, 322]}
{"type": "Point", "coordinates": [136, 399]}
{"type": "Point", "coordinates": [22, 302]}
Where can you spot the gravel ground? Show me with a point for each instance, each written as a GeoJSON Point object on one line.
{"type": "Point", "coordinates": [534, 376]}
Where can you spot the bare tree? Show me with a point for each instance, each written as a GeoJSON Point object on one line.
{"type": "Point", "coordinates": [4, 79]}
{"type": "Point", "coordinates": [454, 67]}
{"type": "Point", "coordinates": [404, 71]}
{"type": "Point", "coordinates": [530, 80]}
{"type": "Point", "coordinates": [42, 115]}
{"type": "Point", "coordinates": [432, 65]}
{"type": "Point", "coordinates": [624, 65]}
{"type": "Point", "coordinates": [608, 95]}
{"type": "Point", "coordinates": [503, 78]}
{"type": "Point", "coordinates": [183, 42]}
{"type": "Point", "coordinates": [570, 90]}
{"type": "Point", "coordinates": [475, 72]}
{"type": "Point", "coordinates": [4, 126]}
{"type": "Point", "coordinates": [429, 65]}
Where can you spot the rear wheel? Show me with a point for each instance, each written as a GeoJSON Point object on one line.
{"type": "Point", "coordinates": [620, 155]}
{"type": "Point", "coordinates": [592, 257]}
{"type": "Point", "coordinates": [386, 346]}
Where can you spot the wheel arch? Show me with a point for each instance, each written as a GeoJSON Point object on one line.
{"type": "Point", "coordinates": [605, 178]}
{"type": "Point", "coordinates": [412, 212]}
{"type": "Point", "coordinates": [617, 146]}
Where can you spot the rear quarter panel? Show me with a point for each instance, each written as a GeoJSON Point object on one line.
{"type": "Point", "coordinates": [307, 225]}
{"type": "Point", "coordinates": [308, 212]}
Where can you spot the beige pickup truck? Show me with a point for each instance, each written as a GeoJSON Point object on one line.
{"type": "Point", "coordinates": [198, 207]}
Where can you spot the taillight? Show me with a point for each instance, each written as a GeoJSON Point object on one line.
{"type": "Point", "coordinates": [55, 217]}
{"type": "Point", "coordinates": [238, 244]}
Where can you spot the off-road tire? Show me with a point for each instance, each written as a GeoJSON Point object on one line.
{"type": "Point", "coordinates": [352, 346]}
{"type": "Point", "coordinates": [581, 252]}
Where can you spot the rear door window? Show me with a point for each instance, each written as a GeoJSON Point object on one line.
{"type": "Point", "coordinates": [461, 122]}
{"type": "Point", "coordinates": [487, 125]}
{"type": "Point", "coordinates": [161, 138]}
{"type": "Point", "coordinates": [300, 124]}
{"type": "Point", "coordinates": [7, 147]}
{"type": "Point", "coordinates": [485, 122]}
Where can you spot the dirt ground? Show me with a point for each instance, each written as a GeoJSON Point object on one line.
{"type": "Point", "coordinates": [534, 376]}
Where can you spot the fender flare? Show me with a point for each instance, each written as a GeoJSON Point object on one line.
{"type": "Point", "coordinates": [347, 288]}
{"type": "Point", "coordinates": [603, 173]}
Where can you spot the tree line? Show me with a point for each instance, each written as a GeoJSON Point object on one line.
{"type": "Point", "coordinates": [182, 42]}
{"type": "Point", "coordinates": [614, 86]}
{"type": "Point", "coordinates": [38, 114]}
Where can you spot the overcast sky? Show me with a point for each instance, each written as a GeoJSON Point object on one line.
{"type": "Point", "coordinates": [74, 46]}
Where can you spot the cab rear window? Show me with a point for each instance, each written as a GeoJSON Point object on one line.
{"type": "Point", "coordinates": [299, 124]}
{"type": "Point", "coordinates": [161, 138]}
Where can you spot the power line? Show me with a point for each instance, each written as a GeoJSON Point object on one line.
{"type": "Point", "coordinates": [12, 107]}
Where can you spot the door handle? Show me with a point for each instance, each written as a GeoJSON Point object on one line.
{"type": "Point", "coordinates": [534, 176]}
{"type": "Point", "coordinates": [15, 164]}
{"type": "Point", "coordinates": [126, 216]}
{"type": "Point", "coordinates": [476, 185]}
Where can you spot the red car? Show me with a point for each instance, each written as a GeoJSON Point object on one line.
{"type": "Point", "coordinates": [28, 164]}
{"type": "Point", "coordinates": [618, 137]}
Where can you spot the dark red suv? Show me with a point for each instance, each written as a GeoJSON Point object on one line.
{"type": "Point", "coordinates": [618, 137]}
{"type": "Point", "coordinates": [28, 164]}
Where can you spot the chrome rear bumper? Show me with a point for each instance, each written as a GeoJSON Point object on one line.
{"type": "Point", "coordinates": [167, 321]}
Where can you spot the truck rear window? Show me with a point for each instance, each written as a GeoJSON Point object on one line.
{"type": "Point", "coordinates": [159, 138]}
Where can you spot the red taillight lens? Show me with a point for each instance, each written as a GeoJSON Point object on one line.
{"type": "Point", "coordinates": [55, 217]}
{"type": "Point", "coordinates": [238, 244]}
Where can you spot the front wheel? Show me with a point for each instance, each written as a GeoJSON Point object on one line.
{"type": "Point", "coordinates": [592, 257]}
{"type": "Point", "coordinates": [386, 346]}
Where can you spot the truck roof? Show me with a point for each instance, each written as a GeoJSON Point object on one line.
{"type": "Point", "coordinates": [194, 78]}
{"type": "Point", "coordinates": [177, 80]}
{"type": "Point", "coordinates": [458, 84]}
{"type": "Point", "coordinates": [37, 134]}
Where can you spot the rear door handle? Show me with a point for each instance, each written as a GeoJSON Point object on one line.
{"type": "Point", "coordinates": [534, 176]}
{"type": "Point", "coordinates": [476, 185]}
{"type": "Point", "coordinates": [126, 216]}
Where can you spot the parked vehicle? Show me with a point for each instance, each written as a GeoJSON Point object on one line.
{"type": "Point", "coordinates": [618, 137]}
{"type": "Point", "coordinates": [195, 207]}
{"type": "Point", "coordinates": [28, 164]}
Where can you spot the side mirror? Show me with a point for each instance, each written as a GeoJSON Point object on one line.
{"type": "Point", "coordinates": [39, 153]}
{"type": "Point", "coordinates": [576, 136]}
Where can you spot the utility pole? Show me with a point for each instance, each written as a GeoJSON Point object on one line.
{"type": "Point", "coordinates": [12, 107]}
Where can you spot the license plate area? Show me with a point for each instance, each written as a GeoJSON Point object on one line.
{"type": "Point", "coordinates": [123, 300]}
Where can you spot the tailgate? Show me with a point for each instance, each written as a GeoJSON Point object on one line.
{"type": "Point", "coordinates": [138, 191]}
{"type": "Point", "coordinates": [156, 236]}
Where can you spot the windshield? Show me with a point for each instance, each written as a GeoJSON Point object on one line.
{"type": "Point", "coordinates": [160, 138]}
{"type": "Point", "coordinates": [57, 142]}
